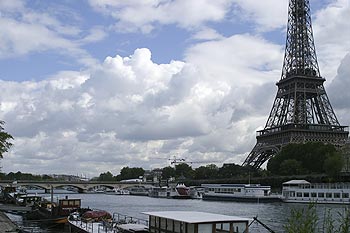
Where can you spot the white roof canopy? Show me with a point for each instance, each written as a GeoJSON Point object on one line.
{"type": "Point", "coordinates": [196, 217]}
{"type": "Point", "coordinates": [296, 182]}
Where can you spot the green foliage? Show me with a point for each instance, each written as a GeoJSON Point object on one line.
{"type": "Point", "coordinates": [230, 170]}
{"type": "Point", "coordinates": [290, 167]}
{"type": "Point", "coordinates": [23, 176]}
{"type": "Point", "coordinates": [108, 176]}
{"type": "Point", "coordinates": [130, 173]}
{"type": "Point", "coordinates": [298, 159]}
{"type": "Point", "coordinates": [333, 164]}
{"type": "Point", "coordinates": [344, 226]}
{"type": "Point", "coordinates": [183, 169]}
{"type": "Point", "coordinates": [302, 221]}
{"type": "Point", "coordinates": [4, 140]}
{"type": "Point", "coordinates": [168, 172]}
{"type": "Point", "coordinates": [206, 172]}
{"type": "Point", "coordinates": [306, 220]}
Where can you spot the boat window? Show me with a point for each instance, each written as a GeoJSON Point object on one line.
{"type": "Point", "coordinates": [169, 224]}
{"type": "Point", "coordinates": [240, 227]}
{"type": "Point", "coordinates": [306, 194]}
{"type": "Point", "coordinates": [223, 227]}
{"type": "Point", "coordinates": [313, 195]}
{"type": "Point", "coordinates": [336, 195]}
{"type": "Point", "coordinates": [320, 194]}
{"type": "Point", "coordinates": [163, 223]}
{"type": "Point", "coordinates": [190, 228]}
{"type": "Point", "coordinates": [177, 226]}
{"type": "Point", "coordinates": [345, 195]}
{"type": "Point", "coordinates": [153, 221]}
{"type": "Point", "coordinates": [205, 228]}
{"type": "Point", "coordinates": [328, 195]}
{"type": "Point", "coordinates": [299, 194]}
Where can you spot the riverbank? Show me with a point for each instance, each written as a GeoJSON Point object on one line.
{"type": "Point", "coordinates": [6, 225]}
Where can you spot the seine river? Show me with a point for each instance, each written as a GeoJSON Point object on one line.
{"type": "Point", "coordinates": [273, 215]}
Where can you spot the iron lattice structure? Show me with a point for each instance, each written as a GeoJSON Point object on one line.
{"type": "Point", "coordinates": [301, 111]}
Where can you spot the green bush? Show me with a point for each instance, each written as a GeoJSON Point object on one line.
{"type": "Point", "coordinates": [306, 220]}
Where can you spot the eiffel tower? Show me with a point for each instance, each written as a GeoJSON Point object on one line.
{"type": "Point", "coordinates": [301, 111]}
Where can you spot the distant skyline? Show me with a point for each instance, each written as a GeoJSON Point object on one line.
{"type": "Point", "coordinates": [90, 86]}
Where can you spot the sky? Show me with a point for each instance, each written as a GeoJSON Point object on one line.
{"type": "Point", "coordinates": [90, 86]}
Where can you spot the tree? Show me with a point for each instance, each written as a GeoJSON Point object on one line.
{"type": "Point", "coordinates": [4, 140]}
{"type": "Point", "coordinates": [206, 172]}
{"type": "Point", "coordinates": [230, 170]}
{"type": "Point", "coordinates": [311, 157]}
{"type": "Point", "coordinates": [168, 172]}
{"type": "Point", "coordinates": [130, 173]}
{"type": "Point", "coordinates": [183, 169]}
{"type": "Point", "coordinates": [290, 167]}
{"type": "Point", "coordinates": [333, 165]}
{"type": "Point", "coordinates": [106, 177]}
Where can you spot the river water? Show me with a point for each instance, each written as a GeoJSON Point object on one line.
{"type": "Point", "coordinates": [273, 215]}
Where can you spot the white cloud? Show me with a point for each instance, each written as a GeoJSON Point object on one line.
{"type": "Point", "coordinates": [11, 5]}
{"type": "Point", "coordinates": [128, 110]}
{"type": "Point", "coordinates": [207, 34]}
{"type": "Point", "coordinates": [145, 15]}
{"type": "Point", "coordinates": [24, 31]}
{"type": "Point", "coordinates": [332, 33]}
{"type": "Point", "coordinates": [240, 59]}
{"type": "Point", "coordinates": [95, 34]}
{"type": "Point", "coordinates": [338, 91]}
{"type": "Point", "coordinates": [267, 15]}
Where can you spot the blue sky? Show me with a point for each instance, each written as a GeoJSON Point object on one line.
{"type": "Point", "coordinates": [95, 85]}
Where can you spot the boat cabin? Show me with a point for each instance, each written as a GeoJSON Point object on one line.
{"type": "Point", "coordinates": [195, 222]}
{"type": "Point", "coordinates": [64, 206]}
{"type": "Point", "coordinates": [243, 190]}
{"type": "Point", "coordinates": [304, 191]}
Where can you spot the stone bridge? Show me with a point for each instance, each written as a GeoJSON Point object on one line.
{"type": "Point", "coordinates": [82, 186]}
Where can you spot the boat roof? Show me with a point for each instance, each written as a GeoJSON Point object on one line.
{"type": "Point", "coordinates": [236, 185]}
{"type": "Point", "coordinates": [297, 182]}
{"type": "Point", "coordinates": [196, 217]}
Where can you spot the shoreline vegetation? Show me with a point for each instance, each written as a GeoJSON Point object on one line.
{"type": "Point", "coordinates": [311, 219]}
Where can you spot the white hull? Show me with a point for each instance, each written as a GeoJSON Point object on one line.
{"type": "Point", "coordinates": [317, 201]}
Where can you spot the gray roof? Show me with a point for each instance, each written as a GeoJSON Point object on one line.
{"type": "Point", "coordinates": [196, 217]}
{"type": "Point", "coordinates": [297, 182]}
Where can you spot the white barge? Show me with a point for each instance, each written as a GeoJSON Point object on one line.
{"type": "Point", "coordinates": [239, 192]}
{"type": "Point", "coordinates": [302, 191]}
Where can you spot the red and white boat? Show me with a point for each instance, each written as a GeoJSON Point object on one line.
{"type": "Point", "coordinates": [181, 191]}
